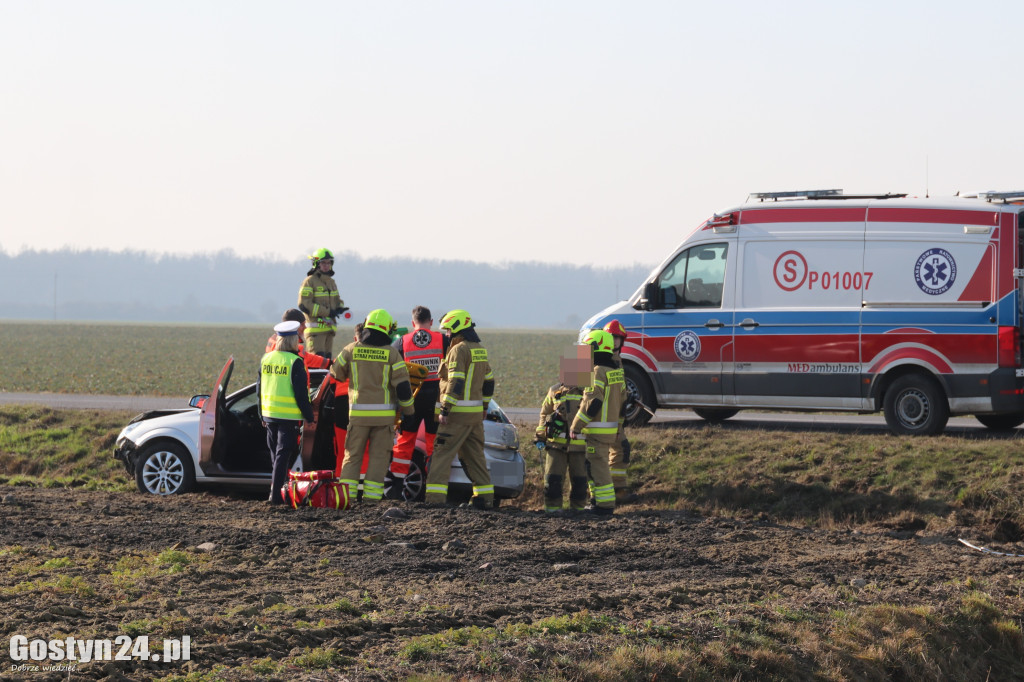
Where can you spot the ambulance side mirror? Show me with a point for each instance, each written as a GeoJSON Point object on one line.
{"type": "Point", "coordinates": [646, 301]}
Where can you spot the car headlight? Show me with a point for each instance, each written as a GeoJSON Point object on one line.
{"type": "Point", "coordinates": [127, 432]}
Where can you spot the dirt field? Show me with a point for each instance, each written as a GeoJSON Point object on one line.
{"type": "Point", "coordinates": [320, 594]}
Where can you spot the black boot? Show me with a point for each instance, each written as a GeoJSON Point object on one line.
{"type": "Point", "coordinates": [578, 492]}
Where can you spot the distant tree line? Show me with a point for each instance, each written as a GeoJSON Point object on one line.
{"type": "Point", "coordinates": [102, 285]}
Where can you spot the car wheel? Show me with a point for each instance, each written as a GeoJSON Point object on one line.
{"type": "Point", "coordinates": [164, 468]}
{"type": "Point", "coordinates": [714, 415]}
{"type": "Point", "coordinates": [415, 484]}
{"type": "Point", "coordinates": [638, 388]}
{"type": "Point", "coordinates": [1001, 422]}
{"type": "Point", "coordinates": [916, 406]}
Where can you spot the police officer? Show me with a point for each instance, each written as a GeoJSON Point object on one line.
{"type": "Point", "coordinates": [320, 302]}
{"type": "Point", "coordinates": [618, 455]}
{"type": "Point", "coordinates": [377, 377]}
{"type": "Point", "coordinates": [311, 360]}
{"type": "Point", "coordinates": [467, 385]}
{"type": "Point", "coordinates": [600, 418]}
{"type": "Point", "coordinates": [561, 452]}
{"type": "Point", "coordinates": [283, 388]}
{"type": "Point", "coordinates": [425, 347]}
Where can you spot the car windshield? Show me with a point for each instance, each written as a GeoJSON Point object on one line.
{"type": "Point", "coordinates": [495, 413]}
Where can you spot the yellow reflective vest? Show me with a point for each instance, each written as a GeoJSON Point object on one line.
{"type": "Point", "coordinates": [277, 395]}
{"type": "Point", "coordinates": [609, 386]}
{"type": "Point", "coordinates": [318, 296]}
{"type": "Point", "coordinates": [463, 374]}
{"type": "Point", "coordinates": [565, 400]}
{"type": "Point", "coordinates": [374, 373]}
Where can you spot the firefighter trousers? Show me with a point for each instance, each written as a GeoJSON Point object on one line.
{"type": "Point", "coordinates": [465, 441]}
{"type": "Point", "coordinates": [556, 462]}
{"type": "Point", "coordinates": [597, 457]}
{"type": "Point", "coordinates": [380, 440]}
{"type": "Point", "coordinates": [423, 412]}
{"type": "Point", "coordinates": [618, 458]}
{"type": "Point", "coordinates": [319, 342]}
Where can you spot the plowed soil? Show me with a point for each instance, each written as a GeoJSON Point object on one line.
{"type": "Point", "coordinates": [275, 583]}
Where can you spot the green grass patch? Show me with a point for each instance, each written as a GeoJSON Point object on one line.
{"type": "Point", "coordinates": [820, 478]}
{"type": "Point", "coordinates": [320, 659]}
{"type": "Point", "coordinates": [183, 360]}
{"type": "Point", "coordinates": [881, 641]}
{"type": "Point", "coordinates": [74, 448]}
{"type": "Point", "coordinates": [64, 585]}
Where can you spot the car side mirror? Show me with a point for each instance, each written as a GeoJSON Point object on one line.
{"type": "Point", "coordinates": [197, 400]}
{"type": "Point", "coordinates": [650, 294]}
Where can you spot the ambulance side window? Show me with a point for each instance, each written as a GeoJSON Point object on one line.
{"type": "Point", "coordinates": [694, 279]}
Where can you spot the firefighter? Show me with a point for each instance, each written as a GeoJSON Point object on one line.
{"type": "Point", "coordinates": [425, 347]}
{"type": "Point", "coordinates": [341, 413]}
{"type": "Point", "coordinates": [377, 380]}
{"type": "Point", "coordinates": [466, 386]}
{"type": "Point", "coordinates": [283, 388]}
{"type": "Point", "coordinates": [599, 418]}
{"type": "Point", "coordinates": [312, 361]}
{"type": "Point", "coordinates": [320, 303]}
{"type": "Point", "coordinates": [560, 452]}
{"type": "Point", "coordinates": [618, 456]}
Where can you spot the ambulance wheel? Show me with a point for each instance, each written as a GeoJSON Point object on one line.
{"type": "Point", "coordinates": [415, 484]}
{"type": "Point", "coordinates": [638, 387]}
{"type": "Point", "coordinates": [1001, 422]}
{"type": "Point", "coordinates": [915, 406]}
{"type": "Point", "coordinates": [164, 468]}
{"type": "Point", "coordinates": [714, 415]}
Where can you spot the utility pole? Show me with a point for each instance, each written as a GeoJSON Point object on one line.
{"type": "Point", "coordinates": [54, 296]}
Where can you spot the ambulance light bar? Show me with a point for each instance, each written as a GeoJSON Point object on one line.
{"type": "Point", "coordinates": [799, 194]}
{"type": "Point", "coordinates": [819, 194]}
{"type": "Point", "coordinates": [1002, 196]}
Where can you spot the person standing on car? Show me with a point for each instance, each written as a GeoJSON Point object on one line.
{"type": "Point", "coordinates": [618, 455]}
{"type": "Point", "coordinates": [311, 360]}
{"type": "Point", "coordinates": [425, 347]}
{"type": "Point", "coordinates": [321, 304]}
{"type": "Point", "coordinates": [466, 387]}
{"type": "Point", "coordinates": [377, 379]}
{"type": "Point", "coordinates": [599, 418]}
{"type": "Point", "coordinates": [283, 388]}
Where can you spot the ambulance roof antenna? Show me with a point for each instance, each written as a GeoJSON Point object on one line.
{"type": "Point", "coordinates": [925, 176]}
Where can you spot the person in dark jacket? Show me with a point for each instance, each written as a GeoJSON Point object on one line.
{"type": "Point", "coordinates": [283, 388]}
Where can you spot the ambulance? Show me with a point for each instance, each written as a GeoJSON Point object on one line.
{"type": "Point", "coordinates": [820, 300]}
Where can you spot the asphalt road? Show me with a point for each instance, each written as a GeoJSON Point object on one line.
{"type": "Point", "coordinates": [528, 415]}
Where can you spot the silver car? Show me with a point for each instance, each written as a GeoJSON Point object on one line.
{"type": "Point", "coordinates": [219, 439]}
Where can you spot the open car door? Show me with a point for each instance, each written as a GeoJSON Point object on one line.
{"type": "Point", "coordinates": [211, 440]}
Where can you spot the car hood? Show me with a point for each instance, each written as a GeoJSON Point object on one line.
{"type": "Point", "coordinates": [153, 414]}
{"type": "Point", "coordinates": [180, 424]}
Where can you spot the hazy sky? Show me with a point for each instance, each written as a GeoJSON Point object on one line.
{"type": "Point", "coordinates": [582, 131]}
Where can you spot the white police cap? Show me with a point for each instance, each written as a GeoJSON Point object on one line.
{"type": "Point", "coordinates": [289, 328]}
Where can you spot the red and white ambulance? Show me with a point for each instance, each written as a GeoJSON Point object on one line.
{"type": "Point", "coordinates": [820, 300]}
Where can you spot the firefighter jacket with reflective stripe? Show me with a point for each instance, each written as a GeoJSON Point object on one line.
{"type": "Point", "coordinates": [378, 381]}
{"type": "Point", "coordinates": [318, 298]}
{"type": "Point", "coordinates": [604, 399]}
{"type": "Point", "coordinates": [559, 407]}
{"type": "Point", "coordinates": [424, 347]}
{"type": "Point", "coordinates": [284, 388]}
{"type": "Point", "coordinates": [312, 361]}
{"type": "Point", "coordinates": [467, 382]}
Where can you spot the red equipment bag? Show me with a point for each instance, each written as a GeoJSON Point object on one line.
{"type": "Point", "coordinates": [315, 489]}
{"type": "Point", "coordinates": [319, 475]}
